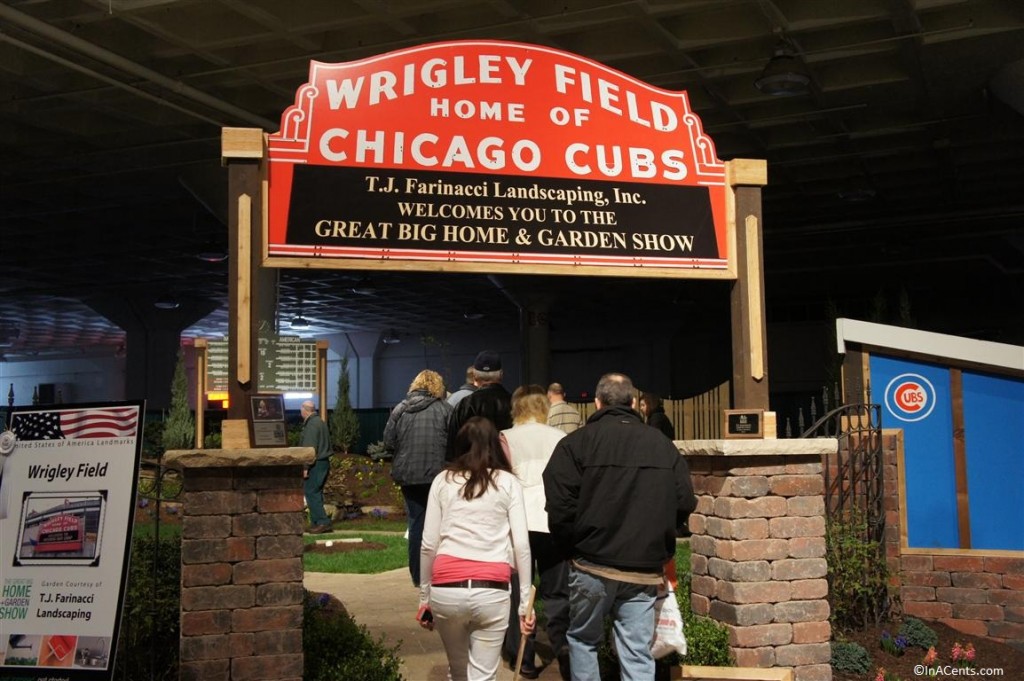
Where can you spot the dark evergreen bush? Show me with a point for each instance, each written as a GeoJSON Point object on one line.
{"type": "Point", "coordinates": [850, 657]}
{"type": "Point", "coordinates": [918, 634]}
{"type": "Point", "coordinates": [338, 649]}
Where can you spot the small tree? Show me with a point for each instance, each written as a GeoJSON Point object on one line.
{"type": "Point", "coordinates": [344, 424]}
{"type": "Point", "coordinates": [179, 426]}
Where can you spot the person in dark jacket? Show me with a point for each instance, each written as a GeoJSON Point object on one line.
{"type": "Point", "coordinates": [490, 399]}
{"type": "Point", "coordinates": [616, 491]}
{"type": "Point", "coordinates": [316, 435]}
{"type": "Point", "coordinates": [654, 414]}
{"type": "Point", "coordinates": [416, 435]}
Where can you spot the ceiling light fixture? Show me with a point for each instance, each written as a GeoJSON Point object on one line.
{"type": "Point", "coordinates": [166, 304]}
{"type": "Point", "coordinates": [299, 322]}
{"type": "Point", "coordinates": [785, 75]}
{"type": "Point", "coordinates": [391, 338]}
{"type": "Point", "coordinates": [212, 252]}
{"type": "Point", "coordinates": [473, 314]}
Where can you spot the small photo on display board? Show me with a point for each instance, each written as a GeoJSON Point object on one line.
{"type": "Point", "coordinates": [266, 418]}
{"type": "Point", "coordinates": [61, 528]}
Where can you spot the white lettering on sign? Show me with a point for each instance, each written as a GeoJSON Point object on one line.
{"type": "Point", "coordinates": [488, 69]}
{"type": "Point", "coordinates": [661, 117]}
{"type": "Point", "coordinates": [428, 150]}
{"type": "Point", "coordinates": [642, 163]}
{"type": "Point", "coordinates": [465, 109]}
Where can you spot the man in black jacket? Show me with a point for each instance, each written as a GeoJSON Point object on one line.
{"type": "Point", "coordinates": [616, 492]}
{"type": "Point", "coordinates": [490, 399]}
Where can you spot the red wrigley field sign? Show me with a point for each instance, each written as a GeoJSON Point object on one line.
{"type": "Point", "coordinates": [60, 533]}
{"type": "Point", "coordinates": [494, 156]}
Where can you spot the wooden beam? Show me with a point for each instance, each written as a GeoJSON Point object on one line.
{"type": "Point", "coordinates": [200, 348]}
{"type": "Point", "coordinates": [746, 172]}
{"type": "Point", "coordinates": [963, 506]}
{"type": "Point", "coordinates": [753, 278]}
{"type": "Point", "coordinates": [321, 376]}
{"type": "Point", "coordinates": [749, 348]}
{"type": "Point", "coordinates": [241, 143]}
{"type": "Point", "coordinates": [243, 292]}
{"type": "Point", "coordinates": [702, 673]}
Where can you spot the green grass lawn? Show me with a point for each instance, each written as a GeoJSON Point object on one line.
{"type": "Point", "coordinates": [369, 524]}
{"type": "Point", "coordinates": [383, 531]}
{"type": "Point", "coordinates": [372, 561]}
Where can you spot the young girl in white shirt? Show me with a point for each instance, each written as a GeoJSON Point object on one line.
{"type": "Point", "coordinates": [475, 524]}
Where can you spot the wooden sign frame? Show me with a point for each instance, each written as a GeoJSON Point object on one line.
{"type": "Point", "coordinates": [743, 424]}
{"type": "Point", "coordinates": [267, 427]}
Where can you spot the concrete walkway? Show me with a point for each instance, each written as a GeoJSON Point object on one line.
{"type": "Point", "coordinates": [386, 604]}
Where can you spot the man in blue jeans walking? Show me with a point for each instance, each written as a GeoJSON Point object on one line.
{"type": "Point", "coordinates": [616, 490]}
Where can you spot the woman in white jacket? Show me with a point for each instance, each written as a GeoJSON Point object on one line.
{"type": "Point", "coordinates": [529, 444]}
{"type": "Point", "coordinates": [475, 523]}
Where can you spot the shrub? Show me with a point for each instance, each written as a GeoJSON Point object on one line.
{"type": "Point", "coordinates": [377, 451]}
{"type": "Point", "coordinates": [918, 634]}
{"type": "Point", "coordinates": [344, 422]}
{"type": "Point", "coordinates": [179, 427]}
{"type": "Point", "coordinates": [850, 657]}
{"type": "Point", "coordinates": [148, 642]}
{"type": "Point", "coordinates": [338, 649]}
{"type": "Point", "coordinates": [858, 575]}
{"type": "Point", "coordinates": [707, 641]}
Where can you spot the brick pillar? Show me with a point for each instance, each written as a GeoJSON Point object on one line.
{"type": "Point", "coordinates": [241, 563]}
{"type": "Point", "coordinates": [758, 550]}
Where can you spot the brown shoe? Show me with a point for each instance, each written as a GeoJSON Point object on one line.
{"type": "Point", "coordinates": [319, 529]}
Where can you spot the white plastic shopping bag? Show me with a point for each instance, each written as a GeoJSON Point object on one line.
{"type": "Point", "coordinates": [668, 629]}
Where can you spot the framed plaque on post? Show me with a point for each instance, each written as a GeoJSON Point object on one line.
{"type": "Point", "coordinates": [743, 423]}
{"type": "Point", "coordinates": [266, 418]}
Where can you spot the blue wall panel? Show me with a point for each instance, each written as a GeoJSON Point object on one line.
{"type": "Point", "coordinates": [916, 397]}
{"type": "Point", "coordinates": [994, 434]}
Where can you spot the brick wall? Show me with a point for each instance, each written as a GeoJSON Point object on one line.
{"type": "Point", "coordinates": [978, 594]}
{"type": "Point", "coordinates": [241, 573]}
{"type": "Point", "coordinates": [758, 553]}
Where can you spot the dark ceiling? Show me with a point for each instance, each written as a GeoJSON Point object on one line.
{"type": "Point", "coordinates": [896, 183]}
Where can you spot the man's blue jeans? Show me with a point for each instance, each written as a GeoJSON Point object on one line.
{"type": "Point", "coordinates": [631, 606]}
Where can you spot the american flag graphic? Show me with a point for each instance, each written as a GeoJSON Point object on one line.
{"type": "Point", "coordinates": [76, 423]}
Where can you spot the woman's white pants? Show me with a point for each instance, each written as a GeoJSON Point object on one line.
{"type": "Point", "coordinates": [472, 625]}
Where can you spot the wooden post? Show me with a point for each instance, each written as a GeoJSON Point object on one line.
{"type": "Point", "coordinates": [321, 377]}
{"type": "Point", "coordinates": [251, 300]}
{"type": "Point", "coordinates": [749, 344]}
{"type": "Point", "coordinates": [200, 348]}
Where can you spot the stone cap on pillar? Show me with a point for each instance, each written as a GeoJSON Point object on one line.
{"type": "Point", "coordinates": [181, 459]}
{"type": "Point", "coordinates": [768, 447]}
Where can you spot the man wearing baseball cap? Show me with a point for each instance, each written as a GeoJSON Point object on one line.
{"type": "Point", "coordinates": [490, 399]}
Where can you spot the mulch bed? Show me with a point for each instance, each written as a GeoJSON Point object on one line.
{"type": "Point", "coordinates": [989, 654]}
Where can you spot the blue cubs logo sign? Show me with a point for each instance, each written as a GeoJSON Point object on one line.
{"type": "Point", "coordinates": [910, 397]}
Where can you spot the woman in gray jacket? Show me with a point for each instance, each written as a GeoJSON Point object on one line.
{"type": "Point", "coordinates": [417, 436]}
